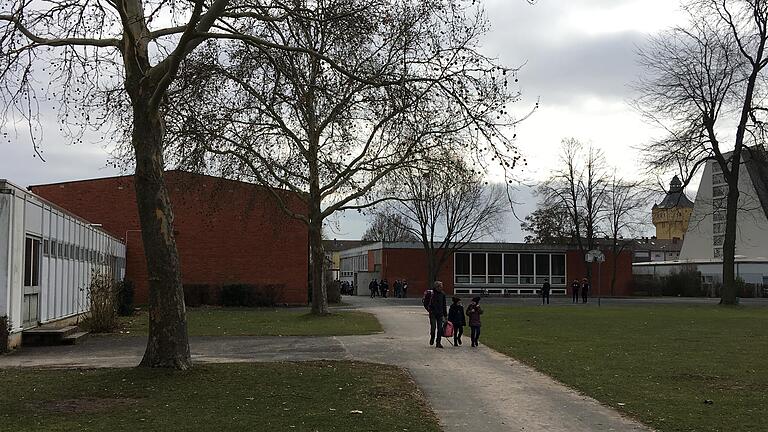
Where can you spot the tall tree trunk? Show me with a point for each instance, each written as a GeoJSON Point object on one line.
{"type": "Point", "coordinates": [167, 344]}
{"type": "Point", "coordinates": [319, 295]}
{"type": "Point", "coordinates": [729, 296]}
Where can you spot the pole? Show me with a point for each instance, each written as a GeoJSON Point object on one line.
{"type": "Point", "coordinates": [599, 283]}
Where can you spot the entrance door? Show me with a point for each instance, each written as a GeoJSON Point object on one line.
{"type": "Point", "coordinates": [31, 292]}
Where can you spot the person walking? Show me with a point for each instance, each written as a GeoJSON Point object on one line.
{"type": "Point", "coordinates": [457, 318]}
{"type": "Point", "coordinates": [545, 291]}
{"type": "Point", "coordinates": [374, 287]}
{"type": "Point", "coordinates": [384, 288]}
{"type": "Point", "coordinates": [584, 290]}
{"type": "Point", "coordinates": [473, 312]}
{"type": "Point", "coordinates": [438, 311]}
{"type": "Point", "coordinates": [575, 290]}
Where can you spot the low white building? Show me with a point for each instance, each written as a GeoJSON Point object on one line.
{"type": "Point", "coordinates": [47, 258]}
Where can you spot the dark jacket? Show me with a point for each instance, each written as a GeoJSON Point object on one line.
{"type": "Point", "coordinates": [456, 315]}
{"type": "Point", "coordinates": [575, 287]}
{"type": "Point", "coordinates": [585, 287]}
{"type": "Point", "coordinates": [545, 288]}
{"type": "Point", "coordinates": [437, 306]}
{"type": "Point", "coordinates": [473, 312]}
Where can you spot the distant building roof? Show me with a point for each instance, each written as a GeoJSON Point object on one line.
{"type": "Point", "coordinates": [340, 245]}
{"type": "Point", "coordinates": [675, 197]}
{"type": "Point", "coordinates": [654, 244]}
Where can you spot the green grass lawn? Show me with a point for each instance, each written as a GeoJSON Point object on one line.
{"type": "Point", "coordinates": [317, 396]}
{"type": "Point", "coordinates": [215, 321]}
{"type": "Point", "coordinates": [658, 364]}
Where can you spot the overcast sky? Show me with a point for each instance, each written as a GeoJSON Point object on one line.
{"type": "Point", "coordinates": [578, 56]}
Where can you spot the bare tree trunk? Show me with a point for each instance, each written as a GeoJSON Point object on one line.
{"type": "Point", "coordinates": [167, 344]}
{"type": "Point", "coordinates": [729, 296]}
{"type": "Point", "coordinates": [319, 296]}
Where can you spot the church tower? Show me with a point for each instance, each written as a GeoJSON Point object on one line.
{"type": "Point", "coordinates": [672, 214]}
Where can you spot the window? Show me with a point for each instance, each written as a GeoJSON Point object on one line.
{"type": "Point", "coordinates": [461, 267]}
{"type": "Point", "coordinates": [510, 269]}
{"type": "Point", "coordinates": [46, 247]}
{"type": "Point", "coordinates": [72, 252]}
{"type": "Point", "coordinates": [542, 268]}
{"type": "Point", "coordinates": [718, 228]}
{"type": "Point", "coordinates": [719, 191]}
{"type": "Point", "coordinates": [718, 240]}
{"type": "Point", "coordinates": [718, 252]}
{"type": "Point", "coordinates": [526, 269]}
{"type": "Point", "coordinates": [31, 262]}
{"type": "Point", "coordinates": [54, 250]}
{"type": "Point", "coordinates": [718, 179]}
{"type": "Point", "coordinates": [494, 268]}
{"type": "Point", "coordinates": [558, 269]}
{"type": "Point", "coordinates": [61, 250]}
{"type": "Point", "coordinates": [478, 268]}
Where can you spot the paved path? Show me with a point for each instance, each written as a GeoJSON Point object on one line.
{"type": "Point", "coordinates": [469, 389]}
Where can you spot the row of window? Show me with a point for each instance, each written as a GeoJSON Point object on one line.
{"type": "Point", "coordinates": [509, 268]}
{"type": "Point", "coordinates": [69, 251]}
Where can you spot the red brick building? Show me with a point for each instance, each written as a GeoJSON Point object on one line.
{"type": "Point", "coordinates": [226, 231]}
{"type": "Point", "coordinates": [497, 268]}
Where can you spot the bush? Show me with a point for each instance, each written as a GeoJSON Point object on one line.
{"type": "Point", "coordinates": [199, 294]}
{"type": "Point", "coordinates": [686, 283]}
{"type": "Point", "coordinates": [333, 291]}
{"type": "Point", "coordinates": [102, 295]}
{"type": "Point", "coordinates": [125, 298]}
{"type": "Point", "coordinates": [250, 295]}
{"type": "Point", "coordinates": [646, 285]}
{"type": "Point", "coordinates": [5, 333]}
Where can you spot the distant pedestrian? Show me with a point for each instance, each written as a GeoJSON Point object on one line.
{"type": "Point", "coordinates": [457, 318]}
{"type": "Point", "coordinates": [398, 288]}
{"type": "Point", "coordinates": [545, 292]}
{"type": "Point", "coordinates": [437, 312]}
{"type": "Point", "coordinates": [384, 288]}
{"type": "Point", "coordinates": [405, 288]}
{"type": "Point", "coordinates": [584, 290]}
{"type": "Point", "coordinates": [575, 290]}
{"type": "Point", "coordinates": [374, 287]}
{"type": "Point", "coordinates": [473, 312]}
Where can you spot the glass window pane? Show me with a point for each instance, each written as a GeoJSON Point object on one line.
{"type": "Point", "coordinates": [526, 264]}
{"type": "Point", "coordinates": [462, 264]}
{"type": "Point", "coordinates": [510, 265]}
{"type": "Point", "coordinates": [542, 264]}
{"type": "Point", "coordinates": [28, 262]}
{"type": "Point", "coordinates": [478, 264]}
{"type": "Point", "coordinates": [558, 265]}
{"type": "Point", "coordinates": [35, 263]}
{"type": "Point", "coordinates": [494, 264]}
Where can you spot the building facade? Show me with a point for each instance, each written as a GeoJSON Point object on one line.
{"type": "Point", "coordinates": [48, 257]}
{"type": "Point", "coordinates": [672, 215]}
{"type": "Point", "coordinates": [485, 268]}
{"type": "Point", "coordinates": [227, 232]}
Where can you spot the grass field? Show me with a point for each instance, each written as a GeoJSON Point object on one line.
{"type": "Point", "coordinates": [318, 396]}
{"type": "Point", "coordinates": [213, 321]}
{"type": "Point", "coordinates": [658, 364]}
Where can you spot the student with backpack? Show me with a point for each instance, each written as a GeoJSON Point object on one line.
{"type": "Point", "coordinates": [456, 317]}
{"type": "Point", "coordinates": [473, 312]}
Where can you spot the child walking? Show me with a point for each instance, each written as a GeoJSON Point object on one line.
{"type": "Point", "coordinates": [456, 317]}
{"type": "Point", "coordinates": [473, 312]}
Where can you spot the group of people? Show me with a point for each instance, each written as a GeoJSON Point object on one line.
{"type": "Point", "coordinates": [440, 315]}
{"type": "Point", "coordinates": [576, 288]}
{"type": "Point", "coordinates": [382, 288]}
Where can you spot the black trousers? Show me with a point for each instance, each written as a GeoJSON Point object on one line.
{"type": "Point", "coordinates": [584, 295]}
{"type": "Point", "coordinates": [575, 296]}
{"type": "Point", "coordinates": [474, 334]}
{"type": "Point", "coordinates": [545, 297]}
{"type": "Point", "coordinates": [458, 330]}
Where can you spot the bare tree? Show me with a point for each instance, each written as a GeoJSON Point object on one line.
{"type": "Point", "coordinates": [580, 187]}
{"type": "Point", "coordinates": [369, 88]}
{"type": "Point", "coordinates": [705, 89]}
{"type": "Point", "coordinates": [110, 63]}
{"type": "Point", "coordinates": [389, 227]}
{"type": "Point", "coordinates": [626, 205]}
{"type": "Point", "coordinates": [447, 206]}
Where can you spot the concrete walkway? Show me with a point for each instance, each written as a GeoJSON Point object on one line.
{"type": "Point", "coordinates": [469, 389]}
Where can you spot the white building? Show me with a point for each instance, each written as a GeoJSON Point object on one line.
{"type": "Point", "coordinates": [703, 243]}
{"type": "Point", "coordinates": [47, 257]}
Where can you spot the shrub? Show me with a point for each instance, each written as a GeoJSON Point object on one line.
{"type": "Point", "coordinates": [646, 285]}
{"type": "Point", "coordinates": [125, 298]}
{"type": "Point", "coordinates": [102, 294]}
{"type": "Point", "coordinates": [5, 333]}
{"type": "Point", "coordinates": [333, 291]}
{"type": "Point", "coordinates": [199, 294]}
{"type": "Point", "coordinates": [250, 295]}
{"type": "Point", "coordinates": [686, 283]}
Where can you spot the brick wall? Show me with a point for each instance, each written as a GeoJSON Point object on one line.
{"type": "Point", "coordinates": [576, 268]}
{"type": "Point", "coordinates": [226, 231]}
{"type": "Point", "coordinates": [411, 264]}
